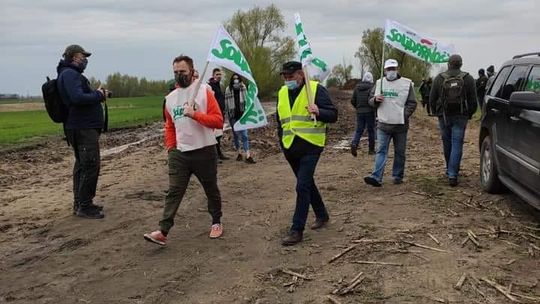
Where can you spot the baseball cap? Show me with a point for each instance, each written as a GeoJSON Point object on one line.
{"type": "Point", "coordinates": [291, 67]}
{"type": "Point", "coordinates": [390, 63]}
{"type": "Point", "coordinates": [74, 49]}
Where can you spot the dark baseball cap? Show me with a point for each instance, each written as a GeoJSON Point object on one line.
{"type": "Point", "coordinates": [291, 67]}
{"type": "Point", "coordinates": [74, 49]}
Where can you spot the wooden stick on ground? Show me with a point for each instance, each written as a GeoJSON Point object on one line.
{"type": "Point", "coordinates": [501, 289]}
{"type": "Point", "coordinates": [424, 246]}
{"type": "Point", "coordinates": [473, 239]}
{"type": "Point", "coordinates": [337, 256]}
{"type": "Point", "coordinates": [333, 300]}
{"type": "Point", "coordinates": [357, 280]}
{"type": "Point", "coordinates": [378, 263]}
{"type": "Point", "coordinates": [459, 284]}
{"type": "Point", "coordinates": [295, 274]}
{"type": "Point", "coordinates": [434, 238]}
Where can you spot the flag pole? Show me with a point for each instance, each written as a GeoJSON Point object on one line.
{"type": "Point", "coordinates": [382, 67]}
{"type": "Point", "coordinates": [308, 91]}
{"type": "Point", "coordinates": [198, 86]}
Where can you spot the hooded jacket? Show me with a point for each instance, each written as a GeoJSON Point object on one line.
{"type": "Point", "coordinates": [83, 102]}
{"type": "Point", "coordinates": [360, 98]}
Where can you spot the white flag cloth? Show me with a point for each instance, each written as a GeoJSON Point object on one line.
{"type": "Point", "coordinates": [226, 53]}
{"type": "Point", "coordinates": [411, 42]}
{"type": "Point", "coordinates": [317, 68]}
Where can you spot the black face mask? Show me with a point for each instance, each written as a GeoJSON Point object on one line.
{"type": "Point", "coordinates": [183, 80]}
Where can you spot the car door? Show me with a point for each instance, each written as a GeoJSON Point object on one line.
{"type": "Point", "coordinates": [497, 118]}
{"type": "Point", "coordinates": [526, 137]}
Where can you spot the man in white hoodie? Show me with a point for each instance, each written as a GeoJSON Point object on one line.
{"type": "Point", "coordinates": [395, 101]}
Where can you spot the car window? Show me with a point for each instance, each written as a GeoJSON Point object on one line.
{"type": "Point", "coordinates": [515, 82]}
{"type": "Point", "coordinates": [533, 82]}
{"type": "Point", "coordinates": [501, 77]}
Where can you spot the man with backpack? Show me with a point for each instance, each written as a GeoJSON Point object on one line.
{"type": "Point", "coordinates": [82, 127]}
{"type": "Point", "coordinates": [453, 100]}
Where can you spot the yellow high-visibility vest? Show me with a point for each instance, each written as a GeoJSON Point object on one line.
{"type": "Point", "coordinates": [297, 121]}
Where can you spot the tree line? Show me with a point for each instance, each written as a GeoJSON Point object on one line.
{"type": "Point", "coordinates": [131, 86]}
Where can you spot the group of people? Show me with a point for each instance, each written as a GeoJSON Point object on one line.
{"type": "Point", "coordinates": [194, 117]}
{"type": "Point", "coordinates": [451, 97]}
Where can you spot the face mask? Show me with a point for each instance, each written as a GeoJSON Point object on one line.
{"type": "Point", "coordinates": [236, 81]}
{"type": "Point", "coordinates": [391, 75]}
{"type": "Point", "coordinates": [183, 80]}
{"type": "Point", "coordinates": [82, 64]}
{"type": "Point", "coordinates": [291, 84]}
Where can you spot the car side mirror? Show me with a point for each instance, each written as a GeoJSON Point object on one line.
{"type": "Point", "coordinates": [525, 100]}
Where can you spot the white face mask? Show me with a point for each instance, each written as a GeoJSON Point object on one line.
{"type": "Point", "coordinates": [391, 75]}
{"type": "Point", "coordinates": [236, 81]}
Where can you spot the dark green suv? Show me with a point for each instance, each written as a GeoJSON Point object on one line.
{"type": "Point", "coordinates": [510, 130]}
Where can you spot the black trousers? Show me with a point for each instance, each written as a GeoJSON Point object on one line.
{"type": "Point", "coordinates": [85, 143]}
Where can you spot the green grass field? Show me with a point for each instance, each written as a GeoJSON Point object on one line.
{"type": "Point", "coordinates": [28, 126]}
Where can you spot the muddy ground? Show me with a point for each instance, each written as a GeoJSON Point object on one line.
{"type": "Point", "coordinates": [407, 241]}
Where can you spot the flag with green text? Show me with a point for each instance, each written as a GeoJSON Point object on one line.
{"type": "Point", "coordinates": [226, 53]}
{"type": "Point", "coordinates": [411, 42]}
{"type": "Point", "coordinates": [317, 68]}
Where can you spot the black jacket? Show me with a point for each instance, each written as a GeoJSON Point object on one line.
{"type": "Point", "coordinates": [470, 95]}
{"type": "Point", "coordinates": [218, 93]}
{"type": "Point", "coordinates": [84, 103]}
{"type": "Point", "coordinates": [360, 98]}
{"type": "Point", "coordinates": [328, 113]}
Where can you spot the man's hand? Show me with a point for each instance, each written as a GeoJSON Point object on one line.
{"type": "Point", "coordinates": [313, 109]}
{"type": "Point", "coordinates": [189, 111]}
{"type": "Point", "coordinates": [379, 98]}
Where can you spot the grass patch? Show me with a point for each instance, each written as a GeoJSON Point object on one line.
{"type": "Point", "coordinates": [30, 126]}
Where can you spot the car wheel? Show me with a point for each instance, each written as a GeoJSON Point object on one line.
{"type": "Point", "coordinates": [489, 175]}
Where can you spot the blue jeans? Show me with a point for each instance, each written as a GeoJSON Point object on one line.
{"type": "Point", "coordinates": [452, 134]}
{"type": "Point", "coordinates": [245, 140]}
{"type": "Point", "coordinates": [364, 120]}
{"type": "Point", "coordinates": [307, 193]}
{"type": "Point", "coordinates": [400, 145]}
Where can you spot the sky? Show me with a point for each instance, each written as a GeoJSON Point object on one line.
{"type": "Point", "coordinates": [140, 38]}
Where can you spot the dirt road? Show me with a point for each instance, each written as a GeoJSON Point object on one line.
{"type": "Point", "coordinates": [414, 231]}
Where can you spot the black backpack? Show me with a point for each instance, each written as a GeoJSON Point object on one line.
{"type": "Point", "coordinates": [54, 105]}
{"type": "Point", "coordinates": [453, 93]}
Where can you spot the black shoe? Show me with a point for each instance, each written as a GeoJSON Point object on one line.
{"type": "Point", "coordinates": [250, 160]}
{"type": "Point", "coordinates": [76, 207]}
{"type": "Point", "coordinates": [371, 152]}
{"type": "Point", "coordinates": [294, 237]}
{"type": "Point", "coordinates": [396, 181]}
{"type": "Point", "coordinates": [221, 156]}
{"type": "Point", "coordinates": [353, 150]}
{"type": "Point", "coordinates": [319, 223]}
{"type": "Point", "coordinates": [239, 157]}
{"type": "Point", "coordinates": [370, 180]}
{"type": "Point", "coordinates": [452, 181]}
{"type": "Point", "coordinates": [90, 212]}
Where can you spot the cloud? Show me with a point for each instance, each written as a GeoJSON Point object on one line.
{"type": "Point", "coordinates": [141, 37]}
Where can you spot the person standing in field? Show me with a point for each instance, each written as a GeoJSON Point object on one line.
{"type": "Point", "coordinates": [365, 114]}
{"type": "Point", "coordinates": [235, 97]}
{"type": "Point", "coordinates": [190, 142]}
{"type": "Point", "coordinates": [302, 141]}
{"type": "Point", "coordinates": [215, 84]}
{"type": "Point", "coordinates": [82, 128]}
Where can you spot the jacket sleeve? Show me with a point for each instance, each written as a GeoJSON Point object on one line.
{"type": "Point", "coordinates": [328, 113]}
{"type": "Point", "coordinates": [72, 83]}
{"type": "Point", "coordinates": [410, 104]}
{"type": "Point", "coordinates": [371, 99]}
{"type": "Point", "coordinates": [170, 131]}
{"type": "Point", "coordinates": [353, 99]}
{"type": "Point", "coordinates": [434, 94]}
{"type": "Point", "coordinates": [213, 118]}
{"type": "Point", "coordinates": [472, 98]}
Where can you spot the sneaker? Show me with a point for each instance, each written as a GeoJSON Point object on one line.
{"type": "Point", "coordinates": [156, 237]}
{"type": "Point", "coordinates": [239, 157]}
{"type": "Point", "coordinates": [319, 223]}
{"type": "Point", "coordinates": [250, 160]}
{"type": "Point", "coordinates": [292, 238]}
{"type": "Point", "coordinates": [452, 181]}
{"type": "Point", "coordinates": [76, 207]}
{"type": "Point", "coordinates": [397, 181]}
{"type": "Point", "coordinates": [89, 212]}
{"type": "Point", "coordinates": [353, 150]}
{"type": "Point", "coordinates": [370, 180]}
{"type": "Point", "coordinates": [216, 231]}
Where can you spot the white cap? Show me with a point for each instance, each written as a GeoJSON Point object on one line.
{"type": "Point", "coordinates": [390, 63]}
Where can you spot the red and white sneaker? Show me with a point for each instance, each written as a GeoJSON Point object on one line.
{"type": "Point", "coordinates": [216, 231]}
{"type": "Point", "coordinates": [156, 237]}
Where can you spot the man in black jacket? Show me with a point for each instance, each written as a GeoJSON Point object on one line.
{"type": "Point", "coordinates": [215, 83]}
{"type": "Point", "coordinates": [302, 141]}
{"type": "Point", "coordinates": [82, 128]}
{"type": "Point", "coordinates": [453, 99]}
{"type": "Point", "coordinates": [365, 114]}
{"type": "Point", "coordinates": [481, 84]}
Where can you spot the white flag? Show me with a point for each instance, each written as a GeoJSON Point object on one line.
{"type": "Point", "coordinates": [226, 53]}
{"type": "Point", "coordinates": [317, 68]}
{"type": "Point", "coordinates": [409, 41]}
